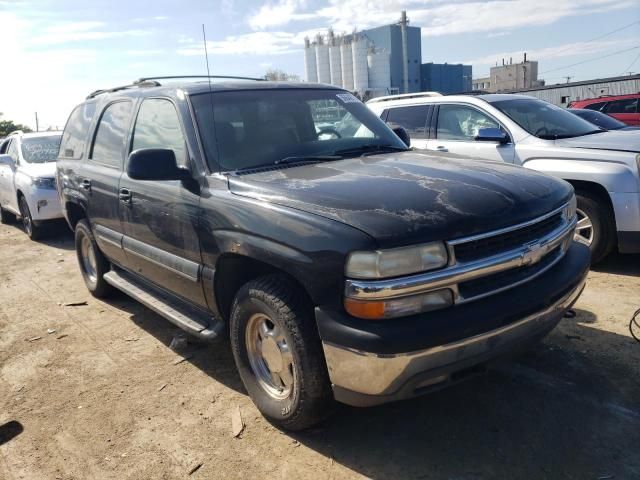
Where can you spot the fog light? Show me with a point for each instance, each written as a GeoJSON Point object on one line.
{"type": "Point", "coordinates": [41, 204]}
{"type": "Point", "coordinates": [399, 307]}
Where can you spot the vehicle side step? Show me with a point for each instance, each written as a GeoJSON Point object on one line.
{"type": "Point", "coordinates": [189, 319]}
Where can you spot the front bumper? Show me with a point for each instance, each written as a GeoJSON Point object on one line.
{"type": "Point", "coordinates": [375, 362]}
{"type": "Point", "coordinates": [44, 204]}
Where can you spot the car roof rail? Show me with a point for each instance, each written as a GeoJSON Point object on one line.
{"type": "Point", "coordinates": [138, 84]}
{"type": "Point", "coordinates": [404, 96]}
{"type": "Point", "coordinates": [16, 132]}
{"type": "Point", "coordinates": [178, 77]}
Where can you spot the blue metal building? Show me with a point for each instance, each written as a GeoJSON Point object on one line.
{"type": "Point", "coordinates": [445, 78]}
{"type": "Point", "coordinates": [389, 38]}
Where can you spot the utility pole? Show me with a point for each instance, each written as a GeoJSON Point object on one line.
{"type": "Point", "coordinates": [37, 125]}
{"type": "Point", "coordinates": [568, 79]}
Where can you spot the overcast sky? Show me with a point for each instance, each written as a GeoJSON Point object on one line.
{"type": "Point", "coordinates": [54, 52]}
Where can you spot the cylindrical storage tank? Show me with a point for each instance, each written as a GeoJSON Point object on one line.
{"type": "Point", "coordinates": [346, 64]}
{"type": "Point", "coordinates": [379, 63]}
{"type": "Point", "coordinates": [360, 75]}
{"type": "Point", "coordinates": [322, 62]}
{"type": "Point", "coordinates": [335, 65]}
{"type": "Point", "coordinates": [310, 68]}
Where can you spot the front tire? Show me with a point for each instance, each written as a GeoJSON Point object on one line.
{"type": "Point", "coordinates": [595, 227]}
{"type": "Point", "coordinates": [278, 353]}
{"type": "Point", "coordinates": [93, 264]}
{"type": "Point", "coordinates": [33, 230]}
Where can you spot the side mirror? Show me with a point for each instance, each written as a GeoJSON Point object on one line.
{"type": "Point", "coordinates": [402, 135]}
{"type": "Point", "coordinates": [7, 160]}
{"type": "Point", "coordinates": [155, 164]}
{"type": "Point", "coordinates": [491, 135]}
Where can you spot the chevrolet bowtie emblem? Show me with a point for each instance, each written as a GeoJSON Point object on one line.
{"type": "Point", "coordinates": [533, 253]}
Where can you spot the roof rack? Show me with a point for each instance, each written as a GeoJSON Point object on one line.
{"type": "Point", "coordinates": [175, 77]}
{"type": "Point", "coordinates": [404, 96]}
{"type": "Point", "coordinates": [136, 84]}
{"type": "Point", "coordinates": [16, 132]}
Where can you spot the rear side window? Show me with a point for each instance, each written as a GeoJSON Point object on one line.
{"type": "Point", "coordinates": [628, 105]}
{"type": "Point", "coordinates": [75, 133]}
{"type": "Point", "coordinates": [413, 119]}
{"type": "Point", "coordinates": [158, 126]}
{"type": "Point", "coordinates": [595, 106]}
{"type": "Point", "coordinates": [109, 140]}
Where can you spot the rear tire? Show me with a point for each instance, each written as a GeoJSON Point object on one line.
{"type": "Point", "coordinates": [596, 227]}
{"type": "Point", "coordinates": [33, 230]}
{"type": "Point", "coordinates": [6, 217]}
{"type": "Point", "coordinates": [93, 264]}
{"type": "Point", "coordinates": [278, 353]}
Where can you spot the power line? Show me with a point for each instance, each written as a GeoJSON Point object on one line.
{"type": "Point", "coordinates": [591, 59]}
{"type": "Point", "coordinates": [630, 65]}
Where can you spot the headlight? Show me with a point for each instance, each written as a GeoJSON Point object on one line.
{"type": "Point", "coordinates": [570, 210]}
{"type": "Point", "coordinates": [46, 183]}
{"type": "Point", "coordinates": [396, 261]}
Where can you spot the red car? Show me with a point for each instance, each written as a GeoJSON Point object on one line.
{"type": "Point", "coordinates": [625, 108]}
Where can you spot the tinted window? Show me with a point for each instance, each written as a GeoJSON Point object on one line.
{"type": "Point", "coordinates": [4, 146]}
{"type": "Point", "coordinates": [628, 105]}
{"type": "Point", "coordinates": [75, 132]}
{"type": "Point", "coordinates": [413, 119]}
{"type": "Point", "coordinates": [158, 126]}
{"type": "Point", "coordinates": [107, 146]}
{"type": "Point", "coordinates": [458, 122]}
{"type": "Point", "coordinates": [599, 119]}
{"type": "Point", "coordinates": [40, 149]}
{"type": "Point", "coordinates": [595, 106]}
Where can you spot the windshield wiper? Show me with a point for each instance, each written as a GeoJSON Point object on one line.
{"type": "Point", "coordinates": [370, 149]}
{"type": "Point", "coordinates": [307, 158]}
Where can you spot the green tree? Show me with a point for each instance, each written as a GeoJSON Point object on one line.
{"type": "Point", "coordinates": [8, 126]}
{"type": "Point", "coordinates": [280, 76]}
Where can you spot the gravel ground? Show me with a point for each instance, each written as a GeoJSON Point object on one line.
{"type": "Point", "coordinates": [103, 397]}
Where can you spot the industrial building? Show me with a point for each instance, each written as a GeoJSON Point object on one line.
{"type": "Point", "coordinates": [374, 62]}
{"type": "Point", "coordinates": [564, 93]}
{"type": "Point", "coordinates": [510, 76]}
{"type": "Point", "coordinates": [445, 78]}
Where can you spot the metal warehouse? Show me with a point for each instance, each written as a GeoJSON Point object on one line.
{"type": "Point", "coordinates": [563, 94]}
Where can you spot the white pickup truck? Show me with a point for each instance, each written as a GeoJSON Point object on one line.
{"type": "Point", "coordinates": [603, 166]}
{"type": "Point", "coordinates": [27, 180]}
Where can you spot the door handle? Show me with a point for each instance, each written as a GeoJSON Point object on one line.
{"type": "Point", "coordinates": [86, 184]}
{"type": "Point", "coordinates": [125, 196]}
{"type": "Point", "coordinates": [442, 148]}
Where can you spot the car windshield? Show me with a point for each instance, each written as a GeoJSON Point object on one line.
{"type": "Point", "coordinates": [254, 128]}
{"type": "Point", "coordinates": [543, 119]}
{"type": "Point", "coordinates": [41, 149]}
{"type": "Point", "coordinates": [599, 119]}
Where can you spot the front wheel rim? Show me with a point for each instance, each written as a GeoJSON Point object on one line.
{"type": "Point", "coordinates": [26, 216]}
{"type": "Point", "coordinates": [584, 228]}
{"type": "Point", "coordinates": [270, 357]}
{"type": "Point", "coordinates": [88, 259]}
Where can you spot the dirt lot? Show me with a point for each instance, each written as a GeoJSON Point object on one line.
{"type": "Point", "coordinates": [101, 397]}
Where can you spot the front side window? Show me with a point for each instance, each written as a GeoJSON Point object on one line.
{"type": "Point", "coordinates": [459, 122]}
{"type": "Point", "coordinates": [253, 128]}
{"type": "Point", "coordinates": [75, 132]}
{"type": "Point", "coordinates": [112, 130]}
{"type": "Point", "coordinates": [40, 149]}
{"type": "Point", "coordinates": [595, 106]}
{"type": "Point", "coordinates": [628, 105]}
{"type": "Point", "coordinates": [413, 119]}
{"type": "Point", "coordinates": [12, 151]}
{"type": "Point", "coordinates": [545, 120]}
{"type": "Point", "coordinates": [158, 126]}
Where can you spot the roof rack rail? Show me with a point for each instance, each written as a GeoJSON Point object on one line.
{"type": "Point", "coordinates": [136, 84]}
{"type": "Point", "coordinates": [175, 77]}
{"type": "Point", "coordinates": [16, 132]}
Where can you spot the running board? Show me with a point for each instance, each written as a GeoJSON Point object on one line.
{"type": "Point", "coordinates": [189, 319]}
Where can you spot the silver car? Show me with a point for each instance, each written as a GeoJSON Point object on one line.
{"type": "Point", "coordinates": [603, 166]}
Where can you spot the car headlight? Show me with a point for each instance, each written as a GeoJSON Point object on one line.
{"type": "Point", "coordinates": [570, 210]}
{"type": "Point", "coordinates": [44, 182]}
{"type": "Point", "coordinates": [396, 261]}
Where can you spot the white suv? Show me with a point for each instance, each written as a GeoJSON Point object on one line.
{"type": "Point", "coordinates": [27, 180]}
{"type": "Point", "coordinates": [603, 166]}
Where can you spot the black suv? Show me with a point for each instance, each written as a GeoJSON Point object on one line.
{"type": "Point", "coordinates": [341, 264]}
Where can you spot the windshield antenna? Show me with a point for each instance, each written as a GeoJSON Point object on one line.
{"type": "Point", "coordinates": [213, 118]}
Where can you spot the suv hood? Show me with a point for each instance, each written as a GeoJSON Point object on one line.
{"type": "Point", "coordinates": [47, 169]}
{"type": "Point", "coordinates": [409, 197]}
{"type": "Point", "coordinates": [613, 140]}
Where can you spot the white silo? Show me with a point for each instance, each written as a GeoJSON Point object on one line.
{"type": "Point", "coordinates": [322, 61]}
{"type": "Point", "coordinates": [335, 60]}
{"type": "Point", "coordinates": [379, 63]}
{"type": "Point", "coordinates": [359, 49]}
{"type": "Point", "coordinates": [310, 68]}
{"type": "Point", "coordinates": [346, 64]}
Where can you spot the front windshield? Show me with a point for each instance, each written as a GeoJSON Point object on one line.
{"type": "Point", "coordinates": [41, 149]}
{"type": "Point", "coordinates": [254, 128]}
{"type": "Point", "coordinates": [543, 119]}
{"type": "Point", "coordinates": [599, 119]}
